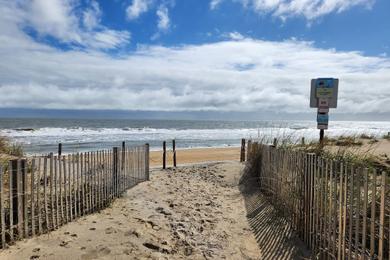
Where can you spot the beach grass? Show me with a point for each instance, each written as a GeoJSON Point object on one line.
{"type": "Point", "coordinates": [9, 151]}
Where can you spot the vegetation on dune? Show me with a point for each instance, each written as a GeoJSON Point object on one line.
{"type": "Point", "coordinates": [366, 136]}
{"type": "Point", "coordinates": [9, 151]}
{"type": "Point", "coordinates": [355, 149]}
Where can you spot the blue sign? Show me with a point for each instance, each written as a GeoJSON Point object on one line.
{"type": "Point", "coordinates": [325, 83]}
{"type": "Point", "coordinates": [322, 119]}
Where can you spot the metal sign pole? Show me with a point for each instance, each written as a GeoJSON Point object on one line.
{"type": "Point", "coordinates": [322, 132]}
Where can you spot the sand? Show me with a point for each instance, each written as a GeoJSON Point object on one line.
{"type": "Point", "coordinates": [378, 150]}
{"type": "Point", "coordinates": [192, 212]}
{"type": "Point", "coordinates": [187, 156]}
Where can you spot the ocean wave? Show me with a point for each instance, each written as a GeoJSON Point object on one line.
{"type": "Point", "coordinates": [188, 137]}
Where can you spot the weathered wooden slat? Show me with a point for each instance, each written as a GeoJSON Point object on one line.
{"type": "Point", "coordinates": [45, 178]}
{"type": "Point", "coordinates": [330, 210]}
{"type": "Point", "coordinates": [51, 172]}
{"type": "Point", "coordinates": [24, 171]}
{"type": "Point", "coordinates": [89, 178]}
{"type": "Point", "coordinates": [357, 214]}
{"type": "Point", "coordinates": [57, 209]}
{"type": "Point", "coordinates": [32, 199]}
{"type": "Point", "coordinates": [20, 194]}
{"type": "Point", "coordinates": [326, 203]}
{"type": "Point", "coordinates": [39, 196]}
{"type": "Point", "coordinates": [365, 205]}
{"type": "Point", "coordinates": [78, 185]}
{"type": "Point", "coordinates": [74, 186]}
{"type": "Point", "coordinates": [94, 174]}
{"type": "Point", "coordinates": [345, 204]}
{"type": "Point", "coordinates": [350, 211]}
{"type": "Point", "coordinates": [82, 183]}
{"type": "Point", "coordinates": [64, 164]}
{"type": "Point", "coordinates": [61, 184]}
{"type": "Point", "coordinates": [2, 214]}
{"type": "Point", "coordinates": [70, 161]}
{"type": "Point", "coordinates": [373, 212]}
{"type": "Point", "coordinates": [335, 219]}
{"type": "Point", "coordinates": [11, 196]}
{"type": "Point", "coordinates": [382, 217]}
{"type": "Point", "coordinates": [341, 204]}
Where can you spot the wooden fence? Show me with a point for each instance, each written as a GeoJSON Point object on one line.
{"type": "Point", "coordinates": [40, 194]}
{"type": "Point", "coordinates": [340, 210]}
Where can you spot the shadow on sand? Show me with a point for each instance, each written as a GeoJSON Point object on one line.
{"type": "Point", "coordinates": [274, 235]}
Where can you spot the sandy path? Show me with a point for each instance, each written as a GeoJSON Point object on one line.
{"type": "Point", "coordinates": [194, 212]}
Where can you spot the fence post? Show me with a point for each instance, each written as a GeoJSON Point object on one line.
{"type": "Point", "coordinates": [174, 152]}
{"type": "Point", "coordinates": [242, 157]}
{"type": "Point", "coordinates": [275, 143]}
{"type": "Point", "coordinates": [123, 155]}
{"type": "Point", "coordinates": [59, 149]}
{"type": "Point", "coordinates": [303, 141]}
{"type": "Point", "coordinates": [164, 154]}
{"type": "Point", "coordinates": [248, 153]}
{"type": "Point", "coordinates": [114, 169]}
{"type": "Point", "coordinates": [147, 161]}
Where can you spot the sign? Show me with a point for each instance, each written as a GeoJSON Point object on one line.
{"type": "Point", "coordinates": [324, 89]}
{"type": "Point", "coordinates": [322, 119]}
{"type": "Point", "coordinates": [322, 127]}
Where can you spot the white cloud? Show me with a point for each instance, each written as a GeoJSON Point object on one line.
{"type": "Point", "coordinates": [163, 18]}
{"type": "Point", "coordinates": [137, 8]}
{"type": "Point", "coordinates": [215, 3]}
{"type": "Point", "coordinates": [239, 75]}
{"type": "Point", "coordinates": [310, 9]}
{"type": "Point", "coordinates": [55, 18]}
{"type": "Point", "coordinates": [236, 36]}
{"type": "Point", "coordinates": [92, 16]}
{"type": "Point", "coordinates": [59, 19]}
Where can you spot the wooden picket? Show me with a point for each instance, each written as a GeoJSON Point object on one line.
{"type": "Point", "coordinates": [40, 194]}
{"type": "Point", "coordinates": [339, 209]}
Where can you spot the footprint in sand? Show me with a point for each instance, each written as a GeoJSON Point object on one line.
{"type": "Point", "coordinates": [110, 230]}
{"type": "Point", "coordinates": [131, 233]}
{"type": "Point", "coordinates": [94, 254]}
{"type": "Point", "coordinates": [64, 244]}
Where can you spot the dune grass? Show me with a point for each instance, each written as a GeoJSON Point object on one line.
{"type": "Point", "coordinates": [9, 150]}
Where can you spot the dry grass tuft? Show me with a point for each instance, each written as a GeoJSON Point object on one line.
{"type": "Point", "coordinates": [366, 136]}
{"type": "Point", "coordinates": [9, 151]}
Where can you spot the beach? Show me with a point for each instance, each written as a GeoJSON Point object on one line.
{"type": "Point", "coordinates": [196, 155]}
{"type": "Point", "coordinates": [192, 212]}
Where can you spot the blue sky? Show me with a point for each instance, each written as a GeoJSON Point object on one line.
{"type": "Point", "coordinates": [193, 55]}
{"type": "Point", "coordinates": [363, 26]}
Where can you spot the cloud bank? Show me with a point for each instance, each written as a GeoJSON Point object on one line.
{"type": "Point", "coordinates": [241, 74]}
{"type": "Point", "coordinates": [310, 9]}
{"type": "Point", "coordinates": [61, 20]}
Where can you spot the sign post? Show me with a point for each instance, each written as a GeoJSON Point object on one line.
{"type": "Point", "coordinates": [323, 95]}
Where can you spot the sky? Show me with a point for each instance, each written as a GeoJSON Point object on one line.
{"type": "Point", "coordinates": [212, 56]}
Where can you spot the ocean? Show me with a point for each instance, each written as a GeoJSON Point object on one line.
{"type": "Point", "coordinates": [41, 136]}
